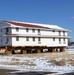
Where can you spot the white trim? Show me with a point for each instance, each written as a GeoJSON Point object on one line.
{"type": "Point", "coordinates": [43, 36]}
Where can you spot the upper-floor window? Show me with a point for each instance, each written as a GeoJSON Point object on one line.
{"type": "Point", "coordinates": [17, 38]}
{"type": "Point", "coordinates": [63, 33]}
{"type": "Point", "coordinates": [27, 30]}
{"type": "Point", "coordinates": [53, 30]}
{"type": "Point", "coordinates": [17, 29]}
{"type": "Point", "coordinates": [38, 30]}
{"type": "Point", "coordinates": [7, 29]}
{"type": "Point", "coordinates": [33, 30]}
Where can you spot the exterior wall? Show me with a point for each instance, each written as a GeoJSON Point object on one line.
{"type": "Point", "coordinates": [44, 42]}
{"type": "Point", "coordinates": [42, 32]}
{"type": "Point", "coordinates": [3, 39]}
{"type": "Point", "coordinates": [3, 32]}
{"type": "Point", "coordinates": [22, 41]}
{"type": "Point", "coordinates": [49, 42]}
{"type": "Point", "coordinates": [5, 42]}
{"type": "Point", "coordinates": [54, 33]}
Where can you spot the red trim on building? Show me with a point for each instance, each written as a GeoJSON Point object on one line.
{"type": "Point", "coordinates": [26, 25]}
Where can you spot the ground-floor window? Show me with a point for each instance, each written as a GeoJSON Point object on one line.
{"type": "Point", "coordinates": [17, 38]}
{"type": "Point", "coordinates": [33, 38]}
{"type": "Point", "coordinates": [27, 38]}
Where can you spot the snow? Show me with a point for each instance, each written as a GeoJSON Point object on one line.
{"type": "Point", "coordinates": [33, 64]}
{"type": "Point", "coordinates": [70, 51]}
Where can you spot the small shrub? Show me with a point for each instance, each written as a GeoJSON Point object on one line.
{"type": "Point", "coordinates": [58, 63]}
{"type": "Point", "coordinates": [61, 62]}
{"type": "Point", "coordinates": [72, 62]}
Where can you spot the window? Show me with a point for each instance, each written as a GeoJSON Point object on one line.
{"type": "Point", "coordinates": [33, 30]}
{"type": "Point", "coordinates": [53, 39]}
{"type": "Point", "coordinates": [33, 38]}
{"type": "Point", "coordinates": [53, 30]}
{"type": "Point", "coordinates": [7, 30]}
{"type": "Point", "coordinates": [17, 29]}
{"type": "Point", "coordinates": [64, 40]}
{"type": "Point", "coordinates": [59, 33]}
{"type": "Point", "coordinates": [27, 30]}
{"type": "Point", "coordinates": [63, 33]}
{"type": "Point", "coordinates": [59, 40]}
{"type": "Point", "coordinates": [7, 39]}
{"type": "Point", "coordinates": [39, 39]}
{"type": "Point", "coordinates": [17, 38]}
{"type": "Point", "coordinates": [27, 38]}
{"type": "Point", "coordinates": [38, 30]}
{"type": "Point", "coordinates": [1, 40]}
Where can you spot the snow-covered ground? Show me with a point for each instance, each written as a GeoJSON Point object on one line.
{"type": "Point", "coordinates": [25, 63]}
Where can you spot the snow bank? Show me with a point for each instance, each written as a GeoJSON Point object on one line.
{"type": "Point", "coordinates": [71, 51]}
{"type": "Point", "coordinates": [23, 63]}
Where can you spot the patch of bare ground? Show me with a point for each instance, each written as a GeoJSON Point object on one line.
{"type": "Point", "coordinates": [72, 62]}
{"type": "Point", "coordinates": [6, 72]}
{"type": "Point", "coordinates": [48, 55]}
{"type": "Point", "coordinates": [19, 63]}
{"type": "Point", "coordinates": [14, 59]}
{"type": "Point", "coordinates": [61, 62]}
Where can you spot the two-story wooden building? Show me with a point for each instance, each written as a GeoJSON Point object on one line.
{"type": "Point", "coordinates": [32, 37]}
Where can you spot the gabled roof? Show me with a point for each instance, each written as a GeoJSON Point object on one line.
{"type": "Point", "coordinates": [25, 25]}
{"type": "Point", "coordinates": [35, 25]}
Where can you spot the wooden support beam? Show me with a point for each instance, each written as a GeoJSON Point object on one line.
{"type": "Point", "coordinates": [54, 50]}
{"type": "Point", "coordinates": [63, 49]}
{"type": "Point", "coordinates": [24, 51]}
{"type": "Point", "coordinates": [38, 51]}
{"type": "Point", "coordinates": [7, 52]}
{"type": "Point", "coordinates": [57, 49]}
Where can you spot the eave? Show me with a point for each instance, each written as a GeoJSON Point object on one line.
{"type": "Point", "coordinates": [42, 36]}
